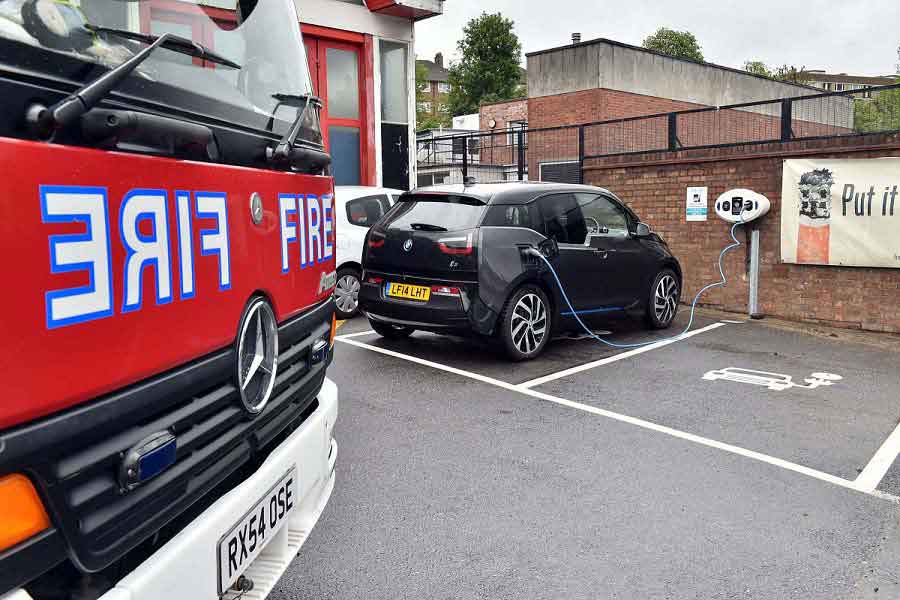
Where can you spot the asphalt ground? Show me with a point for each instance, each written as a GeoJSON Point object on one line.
{"type": "Point", "coordinates": [595, 472]}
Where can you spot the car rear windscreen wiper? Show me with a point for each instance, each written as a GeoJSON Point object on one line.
{"type": "Point", "coordinates": [427, 227]}
{"type": "Point", "coordinates": [44, 121]}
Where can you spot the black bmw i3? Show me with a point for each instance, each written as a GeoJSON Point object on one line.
{"type": "Point", "coordinates": [459, 259]}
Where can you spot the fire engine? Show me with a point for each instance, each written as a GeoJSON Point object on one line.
{"type": "Point", "coordinates": [167, 236]}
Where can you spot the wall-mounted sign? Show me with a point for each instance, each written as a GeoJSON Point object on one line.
{"type": "Point", "coordinates": [841, 212]}
{"type": "Point", "coordinates": [697, 203]}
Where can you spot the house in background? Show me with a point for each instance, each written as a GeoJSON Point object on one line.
{"type": "Point", "coordinates": [433, 99]}
{"type": "Point", "coordinates": [842, 82]}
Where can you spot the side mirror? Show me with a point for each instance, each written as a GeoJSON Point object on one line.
{"type": "Point", "coordinates": [549, 248]}
{"type": "Point", "coordinates": [642, 230]}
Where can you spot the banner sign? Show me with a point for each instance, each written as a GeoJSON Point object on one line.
{"type": "Point", "coordinates": [841, 212]}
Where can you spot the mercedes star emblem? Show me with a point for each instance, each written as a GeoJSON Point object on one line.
{"type": "Point", "coordinates": [257, 355]}
{"type": "Point", "coordinates": [256, 208]}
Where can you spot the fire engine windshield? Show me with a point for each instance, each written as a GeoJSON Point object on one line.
{"type": "Point", "coordinates": [264, 87]}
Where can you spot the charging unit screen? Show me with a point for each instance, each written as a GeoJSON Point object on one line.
{"type": "Point", "coordinates": [737, 206]}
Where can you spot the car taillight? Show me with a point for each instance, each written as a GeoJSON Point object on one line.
{"type": "Point", "coordinates": [23, 513]}
{"type": "Point", "coordinates": [444, 290]}
{"type": "Point", "coordinates": [457, 245]}
{"type": "Point", "coordinates": [374, 280]}
{"type": "Point", "coordinates": [376, 243]}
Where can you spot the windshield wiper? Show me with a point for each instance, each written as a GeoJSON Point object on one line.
{"type": "Point", "coordinates": [427, 227]}
{"type": "Point", "coordinates": [285, 151]}
{"type": "Point", "coordinates": [44, 122]}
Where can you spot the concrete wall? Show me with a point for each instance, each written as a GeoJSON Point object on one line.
{"type": "Point", "coordinates": [603, 64]}
{"type": "Point", "coordinates": [618, 67]}
{"type": "Point", "coordinates": [467, 122]}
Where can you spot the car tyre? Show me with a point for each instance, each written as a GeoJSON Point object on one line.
{"type": "Point", "coordinates": [526, 323]}
{"type": "Point", "coordinates": [662, 305]}
{"type": "Point", "coordinates": [390, 331]}
{"type": "Point", "coordinates": [346, 293]}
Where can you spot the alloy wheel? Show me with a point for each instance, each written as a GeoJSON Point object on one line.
{"type": "Point", "coordinates": [529, 323]}
{"type": "Point", "coordinates": [346, 293]}
{"type": "Point", "coordinates": [665, 299]}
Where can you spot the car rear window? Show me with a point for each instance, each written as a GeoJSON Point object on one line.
{"type": "Point", "coordinates": [451, 213]}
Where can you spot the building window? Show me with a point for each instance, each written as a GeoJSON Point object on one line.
{"type": "Point", "coordinates": [423, 107]}
{"type": "Point", "coordinates": [393, 83]}
{"type": "Point", "coordinates": [442, 107]}
{"type": "Point", "coordinates": [839, 87]}
{"type": "Point", "coordinates": [443, 88]}
{"type": "Point", "coordinates": [512, 129]}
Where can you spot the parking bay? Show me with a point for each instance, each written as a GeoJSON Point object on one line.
{"type": "Point", "coordinates": [442, 473]}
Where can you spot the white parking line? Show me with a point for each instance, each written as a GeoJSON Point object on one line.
{"type": "Point", "coordinates": [758, 456]}
{"type": "Point", "coordinates": [350, 336]}
{"type": "Point", "coordinates": [875, 471]}
{"type": "Point", "coordinates": [616, 357]}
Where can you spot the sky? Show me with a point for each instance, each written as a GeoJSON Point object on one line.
{"type": "Point", "coordinates": [847, 36]}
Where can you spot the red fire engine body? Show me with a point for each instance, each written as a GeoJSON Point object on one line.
{"type": "Point", "coordinates": [166, 427]}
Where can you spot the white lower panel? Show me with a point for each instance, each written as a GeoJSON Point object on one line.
{"type": "Point", "coordinates": [186, 568]}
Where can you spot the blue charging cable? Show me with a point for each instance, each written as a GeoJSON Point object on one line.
{"type": "Point", "coordinates": [593, 335]}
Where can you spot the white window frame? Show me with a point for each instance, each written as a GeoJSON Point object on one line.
{"type": "Point", "coordinates": [511, 128]}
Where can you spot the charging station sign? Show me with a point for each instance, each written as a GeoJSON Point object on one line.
{"type": "Point", "coordinates": [841, 212]}
{"type": "Point", "coordinates": [697, 206]}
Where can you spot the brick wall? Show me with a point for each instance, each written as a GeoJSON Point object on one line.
{"type": "Point", "coordinates": [654, 184]}
{"type": "Point", "coordinates": [499, 148]}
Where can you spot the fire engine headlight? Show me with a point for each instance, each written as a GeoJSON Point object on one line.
{"type": "Point", "coordinates": [23, 513]}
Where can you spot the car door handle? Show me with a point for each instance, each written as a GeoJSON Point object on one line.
{"type": "Point", "coordinates": [604, 252]}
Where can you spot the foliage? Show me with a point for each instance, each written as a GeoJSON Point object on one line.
{"type": "Point", "coordinates": [758, 67]}
{"type": "Point", "coordinates": [792, 74]}
{"type": "Point", "coordinates": [787, 73]}
{"type": "Point", "coordinates": [489, 68]}
{"type": "Point", "coordinates": [680, 44]}
{"type": "Point", "coordinates": [881, 113]}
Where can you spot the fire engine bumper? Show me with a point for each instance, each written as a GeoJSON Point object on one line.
{"type": "Point", "coordinates": [187, 567]}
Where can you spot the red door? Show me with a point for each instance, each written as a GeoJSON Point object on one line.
{"type": "Point", "coordinates": [336, 69]}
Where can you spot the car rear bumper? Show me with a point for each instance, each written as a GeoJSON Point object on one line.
{"type": "Point", "coordinates": [439, 313]}
{"type": "Point", "coordinates": [187, 566]}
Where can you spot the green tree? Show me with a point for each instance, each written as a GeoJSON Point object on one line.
{"type": "Point", "coordinates": [758, 67]}
{"type": "Point", "coordinates": [792, 74]}
{"type": "Point", "coordinates": [489, 68]}
{"type": "Point", "coordinates": [881, 113]}
{"type": "Point", "coordinates": [787, 73]}
{"type": "Point", "coordinates": [425, 120]}
{"type": "Point", "coordinates": [680, 44]}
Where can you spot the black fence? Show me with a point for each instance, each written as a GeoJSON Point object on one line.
{"type": "Point", "coordinates": [559, 153]}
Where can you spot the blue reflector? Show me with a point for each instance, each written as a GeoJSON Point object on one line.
{"type": "Point", "coordinates": [156, 461]}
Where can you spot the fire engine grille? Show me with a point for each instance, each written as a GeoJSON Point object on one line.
{"type": "Point", "coordinates": [198, 403]}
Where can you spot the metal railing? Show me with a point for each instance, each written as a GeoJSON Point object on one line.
{"type": "Point", "coordinates": [559, 153]}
